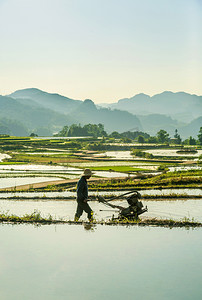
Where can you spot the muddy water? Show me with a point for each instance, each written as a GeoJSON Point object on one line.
{"type": "Point", "coordinates": [70, 262]}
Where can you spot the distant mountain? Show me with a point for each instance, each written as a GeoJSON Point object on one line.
{"type": "Point", "coordinates": [32, 115]}
{"type": "Point", "coordinates": [113, 120]}
{"type": "Point", "coordinates": [37, 109]}
{"type": "Point", "coordinates": [154, 122]}
{"type": "Point", "coordinates": [46, 113]}
{"type": "Point", "coordinates": [192, 129]}
{"type": "Point", "coordinates": [180, 106]}
{"type": "Point", "coordinates": [12, 127]}
{"type": "Point", "coordinates": [54, 102]}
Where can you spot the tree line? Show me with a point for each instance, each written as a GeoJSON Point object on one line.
{"type": "Point", "coordinates": [97, 130]}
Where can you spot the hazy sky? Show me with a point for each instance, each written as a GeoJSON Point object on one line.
{"type": "Point", "coordinates": [101, 49]}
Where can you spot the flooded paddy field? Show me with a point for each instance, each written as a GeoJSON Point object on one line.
{"type": "Point", "coordinates": [17, 181]}
{"type": "Point", "coordinates": [149, 165]}
{"type": "Point", "coordinates": [34, 167]}
{"type": "Point", "coordinates": [66, 194]}
{"type": "Point", "coordinates": [65, 208]}
{"type": "Point", "coordinates": [94, 261]}
{"type": "Point", "coordinates": [156, 152]}
{"type": "Point", "coordinates": [66, 172]}
{"type": "Point", "coordinates": [172, 152]}
{"type": "Point", "coordinates": [3, 156]}
{"type": "Point", "coordinates": [116, 262]}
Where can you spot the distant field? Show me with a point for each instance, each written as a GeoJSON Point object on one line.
{"type": "Point", "coordinates": [124, 169]}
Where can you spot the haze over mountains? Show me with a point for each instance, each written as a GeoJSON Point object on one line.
{"type": "Point", "coordinates": [180, 106]}
{"type": "Point", "coordinates": [33, 110]}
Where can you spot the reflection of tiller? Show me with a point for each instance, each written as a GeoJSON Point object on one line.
{"type": "Point", "coordinates": [134, 209]}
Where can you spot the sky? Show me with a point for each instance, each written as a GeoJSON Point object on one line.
{"type": "Point", "coordinates": [102, 50]}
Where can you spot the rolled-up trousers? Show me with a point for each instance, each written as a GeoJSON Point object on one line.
{"type": "Point", "coordinates": [83, 206]}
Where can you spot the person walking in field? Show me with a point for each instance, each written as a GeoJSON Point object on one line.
{"type": "Point", "coordinates": [82, 196]}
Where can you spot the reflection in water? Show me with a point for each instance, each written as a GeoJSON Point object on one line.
{"type": "Point", "coordinates": [109, 263]}
{"type": "Point", "coordinates": [89, 226]}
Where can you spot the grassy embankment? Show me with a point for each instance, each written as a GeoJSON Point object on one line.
{"type": "Point", "coordinates": [145, 197]}
{"type": "Point", "coordinates": [64, 159]}
{"type": "Point", "coordinates": [180, 179]}
{"type": "Point", "coordinates": [121, 169]}
{"type": "Point", "coordinates": [36, 219]}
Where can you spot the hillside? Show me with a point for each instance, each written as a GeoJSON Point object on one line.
{"type": "Point", "coordinates": [38, 109]}
{"type": "Point", "coordinates": [180, 106]}
{"type": "Point", "coordinates": [31, 115]}
{"type": "Point", "coordinates": [113, 120]}
{"type": "Point", "coordinates": [54, 102]}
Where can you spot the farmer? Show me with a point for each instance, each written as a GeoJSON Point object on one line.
{"type": "Point", "coordinates": [82, 196]}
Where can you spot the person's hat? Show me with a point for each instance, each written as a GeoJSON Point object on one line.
{"type": "Point", "coordinates": [87, 172]}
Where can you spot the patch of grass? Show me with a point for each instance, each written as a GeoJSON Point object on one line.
{"type": "Point", "coordinates": [171, 196]}
{"type": "Point", "coordinates": [41, 159]}
{"type": "Point", "coordinates": [11, 163]}
{"type": "Point", "coordinates": [169, 180]}
{"type": "Point", "coordinates": [36, 219]}
{"type": "Point", "coordinates": [124, 169]}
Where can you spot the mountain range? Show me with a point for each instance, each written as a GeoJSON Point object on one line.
{"type": "Point", "coordinates": [180, 106]}
{"type": "Point", "coordinates": [33, 110]}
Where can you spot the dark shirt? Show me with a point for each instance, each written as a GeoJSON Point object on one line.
{"type": "Point", "coordinates": [82, 189]}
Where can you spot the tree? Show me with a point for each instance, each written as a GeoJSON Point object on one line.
{"type": "Point", "coordinates": [162, 136]}
{"type": "Point", "coordinates": [115, 135]}
{"type": "Point", "coordinates": [177, 137]}
{"type": "Point", "coordinates": [192, 141]}
{"type": "Point", "coordinates": [152, 139]}
{"type": "Point", "coordinates": [87, 130]}
{"type": "Point", "coordinates": [200, 136]}
{"type": "Point", "coordinates": [140, 139]}
{"type": "Point", "coordinates": [126, 140]}
{"type": "Point", "coordinates": [63, 132]}
{"type": "Point", "coordinates": [33, 134]}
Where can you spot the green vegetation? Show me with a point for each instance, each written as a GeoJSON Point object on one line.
{"type": "Point", "coordinates": [87, 130]}
{"type": "Point", "coordinates": [70, 152]}
{"type": "Point", "coordinates": [162, 136]}
{"type": "Point", "coordinates": [140, 153]}
{"type": "Point", "coordinates": [171, 196]}
{"type": "Point", "coordinates": [11, 163]}
{"type": "Point", "coordinates": [36, 219]}
{"type": "Point", "coordinates": [200, 136]}
{"type": "Point", "coordinates": [169, 180]}
{"type": "Point", "coordinates": [41, 159]}
{"type": "Point", "coordinates": [124, 169]}
{"type": "Point", "coordinates": [145, 197]}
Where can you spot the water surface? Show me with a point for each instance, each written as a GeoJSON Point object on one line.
{"type": "Point", "coordinates": [70, 262]}
{"type": "Point", "coordinates": [65, 209]}
{"type": "Point", "coordinates": [12, 182]}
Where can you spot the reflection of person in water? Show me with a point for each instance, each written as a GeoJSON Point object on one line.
{"type": "Point", "coordinates": [82, 196]}
{"type": "Point", "coordinates": [89, 226]}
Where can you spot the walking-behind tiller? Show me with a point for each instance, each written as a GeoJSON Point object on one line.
{"type": "Point", "coordinates": [131, 212]}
